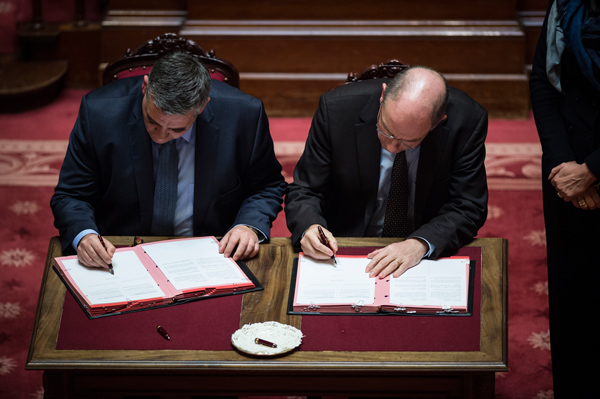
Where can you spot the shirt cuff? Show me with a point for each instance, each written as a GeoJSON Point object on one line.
{"type": "Point", "coordinates": [79, 236]}
{"type": "Point", "coordinates": [431, 247]}
{"type": "Point", "coordinates": [262, 237]}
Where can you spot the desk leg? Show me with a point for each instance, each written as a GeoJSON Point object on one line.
{"type": "Point", "coordinates": [482, 386]}
{"type": "Point", "coordinates": [54, 385]}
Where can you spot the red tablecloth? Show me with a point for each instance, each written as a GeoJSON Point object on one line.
{"type": "Point", "coordinates": [208, 325]}
{"type": "Point", "coordinates": [396, 332]}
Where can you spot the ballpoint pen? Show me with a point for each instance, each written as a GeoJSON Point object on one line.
{"type": "Point", "coordinates": [325, 242]}
{"type": "Point", "coordinates": [110, 266]}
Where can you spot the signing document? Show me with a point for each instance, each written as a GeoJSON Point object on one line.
{"type": "Point", "coordinates": [154, 274]}
{"type": "Point", "coordinates": [438, 286]}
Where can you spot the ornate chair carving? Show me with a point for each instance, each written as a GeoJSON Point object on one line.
{"type": "Point", "coordinates": [388, 69]}
{"type": "Point", "coordinates": [140, 61]}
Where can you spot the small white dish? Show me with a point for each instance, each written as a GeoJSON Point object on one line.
{"type": "Point", "coordinates": [285, 337]}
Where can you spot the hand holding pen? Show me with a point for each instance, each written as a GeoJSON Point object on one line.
{"type": "Point", "coordinates": [91, 252]}
{"type": "Point", "coordinates": [315, 243]}
{"type": "Point", "coordinates": [110, 266]}
{"type": "Point", "coordinates": [325, 241]}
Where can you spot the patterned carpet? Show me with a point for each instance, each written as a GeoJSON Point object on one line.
{"type": "Point", "coordinates": [32, 147]}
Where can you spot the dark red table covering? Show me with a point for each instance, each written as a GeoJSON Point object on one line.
{"type": "Point", "coordinates": [397, 333]}
{"type": "Point", "coordinates": [208, 325]}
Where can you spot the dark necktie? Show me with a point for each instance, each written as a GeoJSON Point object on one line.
{"type": "Point", "coordinates": [165, 190]}
{"type": "Point", "coordinates": [395, 223]}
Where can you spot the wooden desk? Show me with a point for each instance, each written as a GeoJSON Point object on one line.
{"type": "Point", "coordinates": [179, 373]}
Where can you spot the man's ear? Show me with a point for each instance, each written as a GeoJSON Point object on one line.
{"type": "Point", "coordinates": [144, 84]}
{"type": "Point", "coordinates": [441, 120]}
{"type": "Point", "coordinates": [204, 106]}
{"type": "Point", "coordinates": [383, 86]}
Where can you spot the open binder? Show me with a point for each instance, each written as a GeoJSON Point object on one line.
{"type": "Point", "coordinates": [442, 286]}
{"type": "Point", "coordinates": [156, 274]}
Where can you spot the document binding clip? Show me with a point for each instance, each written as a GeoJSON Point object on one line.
{"type": "Point", "coordinates": [358, 307]}
{"type": "Point", "coordinates": [312, 308]}
{"type": "Point", "coordinates": [446, 310]}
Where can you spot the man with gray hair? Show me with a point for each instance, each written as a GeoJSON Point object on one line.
{"type": "Point", "coordinates": [393, 158]}
{"type": "Point", "coordinates": [171, 153]}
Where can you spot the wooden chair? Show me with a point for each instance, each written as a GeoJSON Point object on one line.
{"type": "Point", "coordinates": [140, 61]}
{"type": "Point", "coordinates": [387, 69]}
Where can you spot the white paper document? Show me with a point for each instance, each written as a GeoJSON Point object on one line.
{"type": "Point", "coordinates": [190, 263]}
{"type": "Point", "coordinates": [432, 286]}
{"type": "Point", "coordinates": [320, 282]}
{"type": "Point", "coordinates": [130, 282]}
{"type": "Point", "coordinates": [442, 282]}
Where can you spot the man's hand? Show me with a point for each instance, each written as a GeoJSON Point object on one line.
{"type": "Point", "coordinates": [589, 200]}
{"type": "Point", "coordinates": [244, 238]}
{"type": "Point", "coordinates": [396, 258]}
{"type": "Point", "coordinates": [312, 246]}
{"type": "Point", "coordinates": [90, 251]}
{"type": "Point", "coordinates": [571, 180]}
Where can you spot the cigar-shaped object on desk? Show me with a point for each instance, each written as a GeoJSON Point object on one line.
{"type": "Point", "coordinates": [163, 333]}
{"type": "Point", "coordinates": [264, 343]}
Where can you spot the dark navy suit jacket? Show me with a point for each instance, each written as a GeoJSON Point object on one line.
{"type": "Point", "coordinates": [337, 178]}
{"type": "Point", "coordinates": [107, 183]}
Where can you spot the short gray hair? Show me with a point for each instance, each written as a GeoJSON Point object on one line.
{"type": "Point", "coordinates": [179, 84]}
{"type": "Point", "coordinates": [403, 80]}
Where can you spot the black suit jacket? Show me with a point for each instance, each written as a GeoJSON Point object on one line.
{"type": "Point", "coordinates": [337, 177]}
{"type": "Point", "coordinates": [106, 182]}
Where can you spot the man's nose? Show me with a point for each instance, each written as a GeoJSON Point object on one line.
{"type": "Point", "coordinates": [163, 134]}
{"type": "Point", "coordinates": [395, 147]}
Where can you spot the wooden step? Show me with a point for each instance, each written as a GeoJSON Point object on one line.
{"type": "Point", "coordinates": [26, 85]}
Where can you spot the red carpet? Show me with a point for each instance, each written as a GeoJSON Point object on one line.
{"type": "Point", "coordinates": [32, 146]}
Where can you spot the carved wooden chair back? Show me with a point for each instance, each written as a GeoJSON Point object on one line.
{"type": "Point", "coordinates": [140, 61]}
{"type": "Point", "coordinates": [387, 69]}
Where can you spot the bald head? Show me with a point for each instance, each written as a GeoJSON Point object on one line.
{"type": "Point", "coordinates": [422, 88]}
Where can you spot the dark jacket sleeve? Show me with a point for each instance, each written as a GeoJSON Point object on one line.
{"type": "Point", "coordinates": [78, 185]}
{"type": "Point", "coordinates": [304, 201]}
{"type": "Point", "coordinates": [262, 180]}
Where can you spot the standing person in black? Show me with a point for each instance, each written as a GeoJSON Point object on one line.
{"type": "Point", "coordinates": [565, 95]}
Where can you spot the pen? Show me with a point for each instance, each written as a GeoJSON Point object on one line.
{"type": "Point", "coordinates": [163, 332]}
{"type": "Point", "coordinates": [264, 343]}
{"type": "Point", "coordinates": [325, 242]}
{"type": "Point", "coordinates": [110, 267]}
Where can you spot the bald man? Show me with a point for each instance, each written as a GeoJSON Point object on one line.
{"type": "Point", "coordinates": [341, 182]}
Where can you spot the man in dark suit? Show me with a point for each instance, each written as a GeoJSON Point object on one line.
{"type": "Point", "coordinates": [228, 181]}
{"type": "Point", "coordinates": [343, 178]}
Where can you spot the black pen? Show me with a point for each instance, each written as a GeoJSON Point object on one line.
{"type": "Point", "coordinates": [110, 267]}
{"type": "Point", "coordinates": [325, 242]}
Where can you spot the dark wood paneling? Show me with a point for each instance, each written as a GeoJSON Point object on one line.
{"type": "Point", "coordinates": [288, 64]}
{"type": "Point", "coordinates": [115, 42]}
{"type": "Point", "coordinates": [530, 14]}
{"type": "Point", "coordinates": [353, 9]}
{"type": "Point", "coordinates": [327, 55]}
{"type": "Point", "coordinates": [80, 46]}
{"type": "Point", "coordinates": [504, 96]}
{"type": "Point", "coordinates": [290, 52]}
{"type": "Point", "coordinates": [149, 4]}
{"type": "Point", "coordinates": [532, 5]}
{"type": "Point", "coordinates": [289, 95]}
{"type": "Point", "coordinates": [123, 29]}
